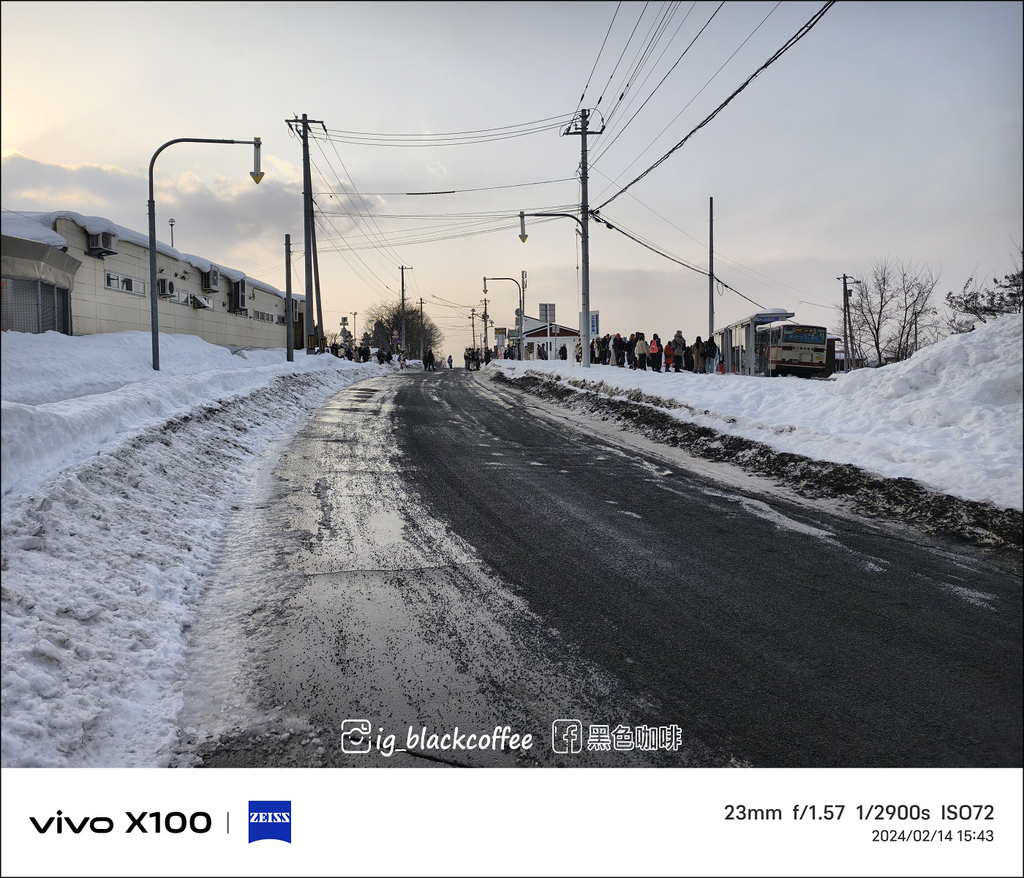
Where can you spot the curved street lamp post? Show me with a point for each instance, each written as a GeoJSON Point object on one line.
{"type": "Point", "coordinates": [521, 313]}
{"type": "Point", "coordinates": [256, 175]}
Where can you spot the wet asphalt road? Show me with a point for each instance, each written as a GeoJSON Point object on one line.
{"type": "Point", "coordinates": [435, 551]}
{"type": "Point", "coordinates": [781, 634]}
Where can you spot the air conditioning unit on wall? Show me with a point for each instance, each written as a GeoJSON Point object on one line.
{"type": "Point", "coordinates": [102, 244]}
{"type": "Point", "coordinates": [211, 280]}
{"type": "Point", "coordinates": [165, 287]}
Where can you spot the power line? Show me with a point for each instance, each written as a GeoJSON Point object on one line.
{"type": "Point", "coordinates": [799, 35]}
{"type": "Point", "coordinates": [462, 191]}
{"type": "Point", "coordinates": [598, 58]}
{"type": "Point", "coordinates": [606, 146]}
{"type": "Point", "coordinates": [674, 259]}
{"type": "Point", "coordinates": [458, 138]}
{"type": "Point", "coordinates": [655, 34]}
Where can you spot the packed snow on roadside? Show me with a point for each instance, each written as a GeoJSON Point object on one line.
{"type": "Point", "coordinates": [950, 417]}
{"type": "Point", "coordinates": [116, 482]}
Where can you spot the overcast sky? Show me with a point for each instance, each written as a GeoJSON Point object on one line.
{"type": "Point", "coordinates": [888, 130]}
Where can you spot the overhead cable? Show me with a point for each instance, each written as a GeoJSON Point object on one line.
{"type": "Point", "coordinates": [799, 35]}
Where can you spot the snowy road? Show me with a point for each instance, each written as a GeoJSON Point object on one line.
{"type": "Point", "coordinates": [349, 608]}
{"type": "Point", "coordinates": [772, 628]}
{"type": "Point", "coordinates": [430, 553]}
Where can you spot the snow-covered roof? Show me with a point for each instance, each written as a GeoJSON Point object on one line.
{"type": "Point", "coordinates": [21, 225]}
{"type": "Point", "coordinates": [38, 226]}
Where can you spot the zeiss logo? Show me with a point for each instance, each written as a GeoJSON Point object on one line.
{"type": "Point", "coordinates": [270, 820]}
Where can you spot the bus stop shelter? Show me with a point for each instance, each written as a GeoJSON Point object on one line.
{"type": "Point", "coordinates": [736, 341]}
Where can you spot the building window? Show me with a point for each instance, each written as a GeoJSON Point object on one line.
{"type": "Point", "coordinates": [134, 285]}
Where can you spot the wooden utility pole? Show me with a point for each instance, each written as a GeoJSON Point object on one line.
{"type": "Point", "coordinates": [307, 221]}
{"type": "Point", "coordinates": [403, 268]}
{"type": "Point", "coordinates": [711, 267]}
{"type": "Point", "coordinates": [288, 298]}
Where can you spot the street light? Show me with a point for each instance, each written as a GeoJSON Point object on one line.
{"type": "Point", "coordinates": [256, 175]}
{"type": "Point", "coordinates": [585, 293]}
{"type": "Point", "coordinates": [520, 312]}
{"type": "Point", "coordinates": [170, 222]}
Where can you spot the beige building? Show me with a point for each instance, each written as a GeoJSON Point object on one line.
{"type": "Point", "coordinates": [82, 275]}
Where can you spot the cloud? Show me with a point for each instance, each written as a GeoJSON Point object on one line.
{"type": "Point", "coordinates": [225, 219]}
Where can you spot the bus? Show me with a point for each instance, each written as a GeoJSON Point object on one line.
{"type": "Point", "coordinates": [791, 349]}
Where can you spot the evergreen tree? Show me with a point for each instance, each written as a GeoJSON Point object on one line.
{"type": "Point", "coordinates": [986, 302]}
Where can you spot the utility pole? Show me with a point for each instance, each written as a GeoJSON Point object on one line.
{"type": "Point", "coordinates": [316, 286]}
{"type": "Point", "coordinates": [472, 316]}
{"type": "Point", "coordinates": [355, 338]}
{"type": "Point", "coordinates": [848, 360]}
{"type": "Point", "coordinates": [421, 328]}
{"type": "Point", "coordinates": [711, 267]}
{"type": "Point", "coordinates": [485, 323]}
{"type": "Point", "coordinates": [584, 217]}
{"type": "Point", "coordinates": [403, 268]}
{"type": "Point", "coordinates": [307, 214]}
{"type": "Point", "coordinates": [288, 298]}
{"type": "Point", "coordinates": [522, 314]}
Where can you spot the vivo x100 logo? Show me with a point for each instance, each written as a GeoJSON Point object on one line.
{"type": "Point", "coordinates": [270, 820]}
{"type": "Point", "coordinates": [174, 822]}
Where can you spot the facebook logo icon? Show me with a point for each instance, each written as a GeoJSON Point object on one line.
{"type": "Point", "coordinates": [567, 736]}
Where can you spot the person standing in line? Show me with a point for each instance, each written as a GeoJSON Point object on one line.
{"type": "Point", "coordinates": [710, 356]}
{"type": "Point", "coordinates": [678, 346]}
{"type": "Point", "coordinates": [669, 356]}
{"type": "Point", "coordinates": [698, 355]}
{"type": "Point", "coordinates": [449, 361]}
{"type": "Point", "coordinates": [643, 350]}
{"type": "Point", "coordinates": [631, 351]}
{"type": "Point", "coordinates": [654, 353]}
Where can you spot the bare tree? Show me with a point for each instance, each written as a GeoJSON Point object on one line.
{"type": "Point", "coordinates": [871, 307]}
{"type": "Point", "coordinates": [914, 323]}
{"type": "Point", "coordinates": [892, 311]}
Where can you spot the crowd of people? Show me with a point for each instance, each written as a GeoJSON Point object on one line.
{"type": "Point", "coordinates": [636, 352]}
